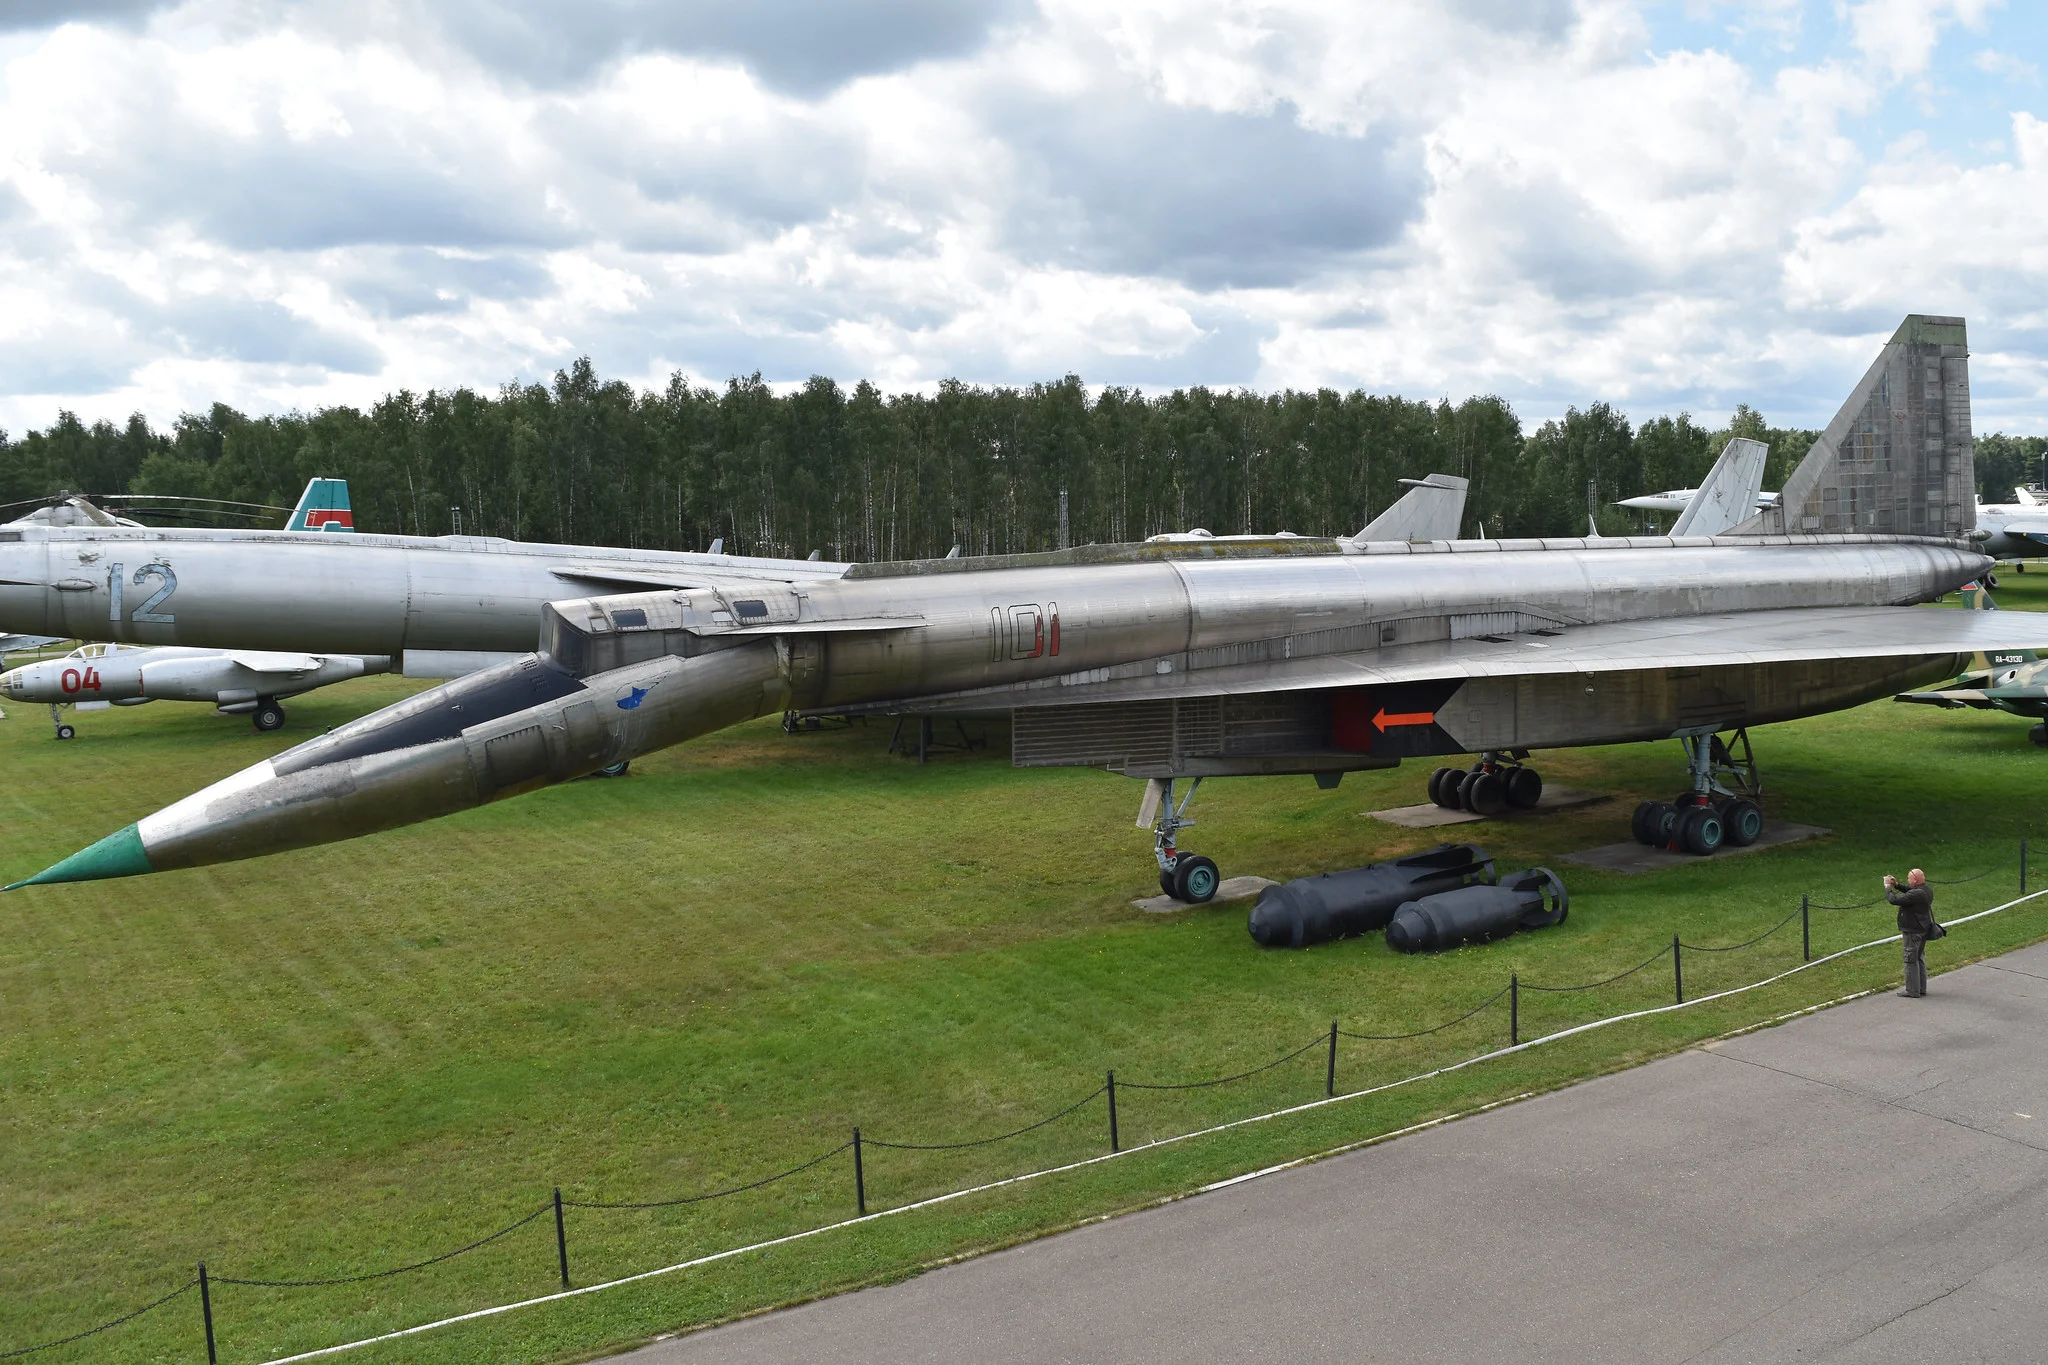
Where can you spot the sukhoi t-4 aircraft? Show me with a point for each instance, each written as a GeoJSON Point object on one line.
{"type": "Point", "coordinates": [1177, 662]}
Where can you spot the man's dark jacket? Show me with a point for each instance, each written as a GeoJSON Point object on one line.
{"type": "Point", "coordinates": [1916, 908]}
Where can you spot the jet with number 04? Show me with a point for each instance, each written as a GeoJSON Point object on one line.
{"type": "Point", "coordinates": [237, 681]}
{"type": "Point", "coordinates": [1177, 662]}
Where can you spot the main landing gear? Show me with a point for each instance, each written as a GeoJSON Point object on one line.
{"type": "Point", "coordinates": [1493, 784]}
{"type": "Point", "coordinates": [1184, 876]}
{"type": "Point", "coordinates": [1722, 806]}
{"type": "Point", "coordinates": [267, 716]}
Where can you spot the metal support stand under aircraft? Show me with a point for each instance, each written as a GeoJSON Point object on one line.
{"type": "Point", "coordinates": [1721, 806]}
{"type": "Point", "coordinates": [1186, 877]}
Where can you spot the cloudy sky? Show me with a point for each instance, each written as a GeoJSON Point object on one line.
{"type": "Point", "coordinates": [1666, 205]}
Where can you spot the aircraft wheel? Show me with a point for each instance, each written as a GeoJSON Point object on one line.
{"type": "Point", "coordinates": [1483, 793]}
{"type": "Point", "coordinates": [1741, 822]}
{"type": "Point", "coordinates": [1443, 787]}
{"type": "Point", "coordinates": [1662, 824]}
{"type": "Point", "coordinates": [268, 716]}
{"type": "Point", "coordinates": [2039, 734]}
{"type": "Point", "coordinates": [1701, 830]}
{"type": "Point", "coordinates": [1641, 825]}
{"type": "Point", "coordinates": [66, 732]}
{"type": "Point", "coordinates": [1166, 880]}
{"type": "Point", "coordinates": [615, 769]}
{"type": "Point", "coordinates": [1195, 879]}
{"type": "Point", "coordinates": [1991, 582]}
{"type": "Point", "coordinates": [1524, 788]}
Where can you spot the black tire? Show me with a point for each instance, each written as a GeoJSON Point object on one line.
{"type": "Point", "coordinates": [1166, 881]}
{"type": "Point", "coordinates": [1991, 582]}
{"type": "Point", "coordinates": [1443, 787]}
{"type": "Point", "coordinates": [1524, 788]}
{"type": "Point", "coordinates": [1741, 822]}
{"type": "Point", "coordinates": [1701, 830]}
{"type": "Point", "coordinates": [618, 769]}
{"type": "Point", "coordinates": [1639, 827]}
{"type": "Point", "coordinates": [2039, 734]}
{"type": "Point", "coordinates": [66, 732]}
{"type": "Point", "coordinates": [1484, 793]}
{"type": "Point", "coordinates": [1663, 824]}
{"type": "Point", "coordinates": [1195, 879]}
{"type": "Point", "coordinates": [267, 716]}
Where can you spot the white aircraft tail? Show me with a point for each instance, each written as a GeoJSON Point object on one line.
{"type": "Point", "coordinates": [1728, 495]}
{"type": "Point", "coordinates": [1431, 509]}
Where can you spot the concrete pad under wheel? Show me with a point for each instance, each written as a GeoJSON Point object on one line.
{"type": "Point", "coordinates": [1232, 889]}
{"type": "Point", "coordinates": [1633, 857]}
{"type": "Point", "coordinates": [1429, 815]}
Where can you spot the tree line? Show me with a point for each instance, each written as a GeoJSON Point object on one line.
{"type": "Point", "coordinates": [864, 476]}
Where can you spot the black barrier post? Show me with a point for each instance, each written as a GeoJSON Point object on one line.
{"type": "Point", "coordinates": [561, 1238]}
{"type": "Point", "coordinates": [2023, 867]}
{"type": "Point", "coordinates": [1330, 1080]}
{"type": "Point", "coordinates": [1677, 971]}
{"type": "Point", "coordinates": [206, 1313]}
{"type": "Point", "coordinates": [1111, 1087]}
{"type": "Point", "coordinates": [1805, 930]}
{"type": "Point", "coordinates": [1514, 1010]}
{"type": "Point", "coordinates": [860, 1180]}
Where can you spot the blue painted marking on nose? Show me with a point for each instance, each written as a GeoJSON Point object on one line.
{"type": "Point", "coordinates": [629, 703]}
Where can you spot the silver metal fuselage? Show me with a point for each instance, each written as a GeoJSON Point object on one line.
{"type": "Point", "coordinates": [316, 592]}
{"type": "Point", "coordinates": [621, 676]}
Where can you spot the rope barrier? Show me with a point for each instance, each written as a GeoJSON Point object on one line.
{"type": "Point", "coordinates": [1746, 943]}
{"type": "Point", "coordinates": [1097, 1093]}
{"type": "Point", "coordinates": [1321, 1039]}
{"type": "Point", "coordinates": [1424, 1033]}
{"type": "Point", "coordinates": [718, 1194]}
{"type": "Point", "coordinates": [1958, 881]}
{"type": "Point", "coordinates": [1655, 957]}
{"type": "Point", "coordinates": [384, 1274]}
{"type": "Point", "coordinates": [185, 1288]}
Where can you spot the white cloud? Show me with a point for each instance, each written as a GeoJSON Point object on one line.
{"type": "Point", "coordinates": [294, 202]}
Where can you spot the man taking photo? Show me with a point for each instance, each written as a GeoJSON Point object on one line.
{"type": "Point", "coordinates": [1916, 921]}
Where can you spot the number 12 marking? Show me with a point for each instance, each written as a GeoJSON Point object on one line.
{"type": "Point", "coordinates": [147, 613]}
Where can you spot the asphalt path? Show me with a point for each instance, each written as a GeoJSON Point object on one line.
{"type": "Point", "coordinates": [1869, 1183]}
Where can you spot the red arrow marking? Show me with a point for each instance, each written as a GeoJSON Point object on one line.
{"type": "Point", "coordinates": [1383, 720]}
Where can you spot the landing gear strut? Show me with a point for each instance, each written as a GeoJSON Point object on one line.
{"type": "Point", "coordinates": [57, 719]}
{"type": "Point", "coordinates": [1184, 876]}
{"type": "Point", "coordinates": [1721, 806]}
{"type": "Point", "coordinates": [1496, 782]}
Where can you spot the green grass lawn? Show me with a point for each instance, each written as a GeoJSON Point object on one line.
{"type": "Point", "coordinates": [340, 1060]}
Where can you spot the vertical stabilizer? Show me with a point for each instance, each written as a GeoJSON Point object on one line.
{"type": "Point", "coordinates": [1897, 459]}
{"type": "Point", "coordinates": [1431, 509]}
{"type": "Point", "coordinates": [323, 507]}
{"type": "Point", "coordinates": [1727, 497]}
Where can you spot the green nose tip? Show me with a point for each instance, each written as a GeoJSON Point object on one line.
{"type": "Point", "coordinates": [120, 854]}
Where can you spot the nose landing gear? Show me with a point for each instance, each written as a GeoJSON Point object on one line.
{"type": "Point", "coordinates": [1184, 876]}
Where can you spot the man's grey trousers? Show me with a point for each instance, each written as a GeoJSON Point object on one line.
{"type": "Point", "coordinates": [1915, 946]}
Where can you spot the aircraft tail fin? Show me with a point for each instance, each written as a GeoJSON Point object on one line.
{"type": "Point", "coordinates": [1727, 496]}
{"type": "Point", "coordinates": [323, 507]}
{"type": "Point", "coordinates": [1897, 459]}
{"type": "Point", "coordinates": [1975, 598]}
{"type": "Point", "coordinates": [1431, 509]}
